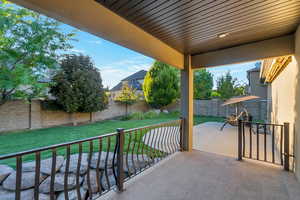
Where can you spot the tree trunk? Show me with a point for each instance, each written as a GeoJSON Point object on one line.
{"type": "Point", "coordinates": [126, 110]}
{"type": "Point", "coordinates": [73, 118]}
{"type": "Point", "coordinates": [91, 117]}
{"type": "Point", "coordinates": [29, 114]}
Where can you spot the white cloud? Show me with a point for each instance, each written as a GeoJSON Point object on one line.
{"type": "Point", "coordinates": [95, 41]}
{"type": "Point", "coordinates": [77, 51]}
{"type": "Point", "coordinates": [113, 73]}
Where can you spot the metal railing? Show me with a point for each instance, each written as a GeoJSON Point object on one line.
{"type": "Point", "coordinates": [90, 167]}
{"type": "Point", "coordinates": [264, 142]}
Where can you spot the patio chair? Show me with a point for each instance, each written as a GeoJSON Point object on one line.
{"type": "Point", "coordinates": [233, 118]}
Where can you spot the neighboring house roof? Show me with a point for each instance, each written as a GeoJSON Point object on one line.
{"type": "Point", "coordinates": [132, 81]}
{"type": "Point", "coordinates": [138, 75]}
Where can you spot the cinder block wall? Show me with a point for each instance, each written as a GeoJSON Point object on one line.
{"type": "Point", "coordinates": [257, 108]}
{"type": "Point", "coordinates": [14, 115]}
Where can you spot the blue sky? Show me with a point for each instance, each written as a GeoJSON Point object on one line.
{"type": "Point", "coordinates": [116, 62]}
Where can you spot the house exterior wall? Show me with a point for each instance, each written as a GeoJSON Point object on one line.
{"type": "Point", "coordinates": [297, 104]}
{"type": "Point", "coordinates": [285, 106]}
{"type": "Point", "coordinates": [256, 87]}
{"type": "Point", "coordinates": [283, 97]}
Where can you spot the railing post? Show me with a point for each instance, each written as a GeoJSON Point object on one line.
{"type": "Point", "coordinates": [120, 167]}
{"type": "Point", "coordinates": [181, 134]}
{"type": "Point", "coordinates": [286, 146]}
{"type": "Point", "coordinates": [239, 140]}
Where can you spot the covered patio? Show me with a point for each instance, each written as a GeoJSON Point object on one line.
{"type": "Point", "coordinates": [190, 35]}
{"type": "Point", "coordinates": [199, 175]}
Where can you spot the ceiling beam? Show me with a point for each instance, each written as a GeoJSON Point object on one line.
{"type": "Point", "coordinates": [280, 46]}
{"type": "Point", "coordinates": [92, 17]}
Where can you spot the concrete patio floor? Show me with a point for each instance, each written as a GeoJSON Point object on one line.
{"type": "Point", "coordinates": [205, 176]}
{"type": "Point", "coordinates": [209, 138]}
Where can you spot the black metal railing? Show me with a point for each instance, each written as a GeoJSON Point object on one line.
{"type": "Point", "coordinates": [264, 142]}
{"type": "Point", "coordinates": [88, 168]}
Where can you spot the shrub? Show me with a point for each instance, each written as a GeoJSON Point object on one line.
{"type": "Point", "coordinates": [161, 85]}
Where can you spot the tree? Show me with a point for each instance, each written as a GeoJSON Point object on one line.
{"type": "Point", "coordinates": [227, 86]}
{"type": "Point", "coordinates": [127, 97]}
{"type": "Point", "coordinates": [161, 85]}
{"type": "Point", "coordinates": [77, 86]}
{"type": "Point", "coordinates": [29, 45]}
{"type": "Point", "coordinates": [203, 84]}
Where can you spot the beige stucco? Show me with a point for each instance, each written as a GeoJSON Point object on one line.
{"type": "Point", "coordinates": [297, 103]}
{"type": "Point", "coordinates": [285, 106]}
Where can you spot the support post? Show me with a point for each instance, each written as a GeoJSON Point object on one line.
{"type": "Point", "coordinates": [120, 166]}
{"type": "Point", "coordinates": [239, 141]}
{"type": "Point", "coordinates": [181, 134]}
{"type": "Point", "coordinates": [187, 111]}
{"type": "Point", "coordinates": [286, 136]}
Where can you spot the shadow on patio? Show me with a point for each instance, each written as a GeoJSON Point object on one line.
{"type": "Point", "coordinates": [207, 176]}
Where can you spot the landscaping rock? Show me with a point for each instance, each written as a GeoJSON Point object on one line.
{"type": "Point", "coordinates": [74, 162]}
{"type": "Point", "coordinates": [135, 163]}
{"type": "Point", "coordinates": [93, 181]}
{"type": "Point", "coordinates": [103, 182]}
{"type": "Point", "coordinates": [102, 160]}
{"type": "Point", "coordinates": [165, 111]}
{"type": "Point", "coordinates": [58, 183]}
{"type": "Point", "coordinates": [44, 196]}
{"type": "Point", "coordinates": [27, 180]}
{"type": "Point", "coordinates": [72, 194]}
{"type": "Point", "coordinates": [9, 195]}
{"type": "Point", "coordinates": [5, 171]}
{"type": "Point", "coordinates": [157, 111]}
{"type": "Point", "coordinates": [46, 165]}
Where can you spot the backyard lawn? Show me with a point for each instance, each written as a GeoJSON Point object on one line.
{"type": "Point", "coordinates": [31, 139]}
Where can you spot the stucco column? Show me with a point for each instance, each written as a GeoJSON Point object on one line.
{"type": "Point", "coordinates": [297, 106]}
{"type": "Point", "coordinates": [187, 103]}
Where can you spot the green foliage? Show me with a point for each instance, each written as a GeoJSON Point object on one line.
{"type": "Point", "coordinates": [228, 87]}
{"type": "Point", "coordinates": [78, 85]}
{"type": "Point", "coordinates": [29, 45]}
{"type": "Point", "coordinates": [161, 85]}
{"type": "Point", "coordinates": [203, 84]}
{"type": "Point", "coordinates": [151, 115]}
{"type": "Point", "coordinates": [215, 94]}
{"type": "Point", "coordinates": [127, 96]}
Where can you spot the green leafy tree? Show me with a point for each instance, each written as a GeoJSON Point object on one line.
{"type": "Point", "coordinates": [78, 87]}
{"type": "Point", "coordinates": [126, 97]}
{"type": "Point", "coordinates": [203, 84]}
{"type": "Point", "coordinates": [227, 87]}
{"type": "Point", "coordinates": [161, 85]}
{"type": "Point", "coordinates": [29, 46]}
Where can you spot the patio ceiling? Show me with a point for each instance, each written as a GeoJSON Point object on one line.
{"type": "Point", "coordinates": [167, 29]}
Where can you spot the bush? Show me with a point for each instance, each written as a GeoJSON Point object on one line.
{"type": "Point", "coordinates": [161, 85]}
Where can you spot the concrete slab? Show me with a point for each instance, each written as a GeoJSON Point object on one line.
{"type": "Point", "coordinates": [209, 138]}
{"type": "Point", "coordinates": [205, 176]}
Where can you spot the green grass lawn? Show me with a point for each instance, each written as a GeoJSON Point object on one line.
{"type": "Point", "coordinates": [31, 139]}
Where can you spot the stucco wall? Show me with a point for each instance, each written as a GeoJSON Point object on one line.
{"type": "Point", "coordinates": [297, 104]}
{"type": "Point", "coordinates": [284, 99]}
{"type": "Point", "coordinates": [256, 87]}
{"type": "Point", "coordinates": [286, 102]}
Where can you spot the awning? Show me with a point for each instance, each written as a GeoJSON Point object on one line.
{"type": "Point", "coordinates": [234, 100]}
